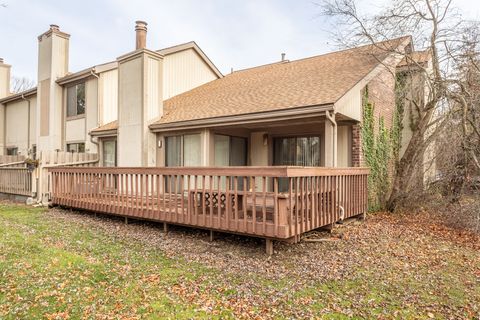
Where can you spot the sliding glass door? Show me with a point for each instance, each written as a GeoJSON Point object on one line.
{"type": "Point", "coordinates": [296, 151]}
{"type": "Point", "coordinates": [182, 151]}
{"type": "Point", "coordinates": [230, 151]}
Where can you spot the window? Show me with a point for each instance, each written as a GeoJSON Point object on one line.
{"type": "Point", "coordinates": [109, 153]}
{"type": "Point", "coordinates": [76, 100]}
{"type": "Point", "coordinates": [34, 151]}
{"type": "Point", "coordinates": [12, 151]}
{"type": "Point", "coordinates": [76, 147]}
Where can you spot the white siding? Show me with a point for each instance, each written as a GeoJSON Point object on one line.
{"type": "Point", "coordinates": [153, 88]}
{"type": "Point", "coordinates": [350, 104]}
{"type": "Point", "coordinates": [130, 118]}
{"type": "Point", "coordinates": [184, 71]}
{"type": "Point", "coordinates": [16, 129]}
{"type": "Point", "coordinates": [108, 96]}
{"type": "Point", "coordinates": [344, 146]}
{"type": "Point", "coordinates": [75, 130]}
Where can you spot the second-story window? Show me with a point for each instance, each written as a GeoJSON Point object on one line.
{"type": "Point", "coordinates": [76, 100]}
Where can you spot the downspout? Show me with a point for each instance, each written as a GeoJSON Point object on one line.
{"type": "Point", "coordinates": [28, 122]}
{"type": "Point", "coordinates": [92, 72]}
{"type": "Point", "coordinates": [331, 118]}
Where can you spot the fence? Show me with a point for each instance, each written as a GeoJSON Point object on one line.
{"type": "Point", "coordinates": [12, 161]}
{"type": "Point", "coordinates": [51, 159]}
{"type": "Point", "coordinates": [16, 181]}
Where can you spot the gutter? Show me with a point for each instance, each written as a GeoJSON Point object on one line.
{"type": "Point", "coordinates": [18, 96]}
{"type": "Point", "coordinates": [249, 118]}
{"type": "Point", "coordinates": [104, 133]}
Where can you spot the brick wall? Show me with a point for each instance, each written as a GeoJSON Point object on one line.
{"type": "Point", "coordinates": [381, 92]}
{"type": "Point", "coordinates": [357, 154]}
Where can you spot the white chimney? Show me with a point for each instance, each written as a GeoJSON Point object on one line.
{"type": "Point", "coordinates": [4, 79]}
{"type": "Point", "coordinates": [53, 47]}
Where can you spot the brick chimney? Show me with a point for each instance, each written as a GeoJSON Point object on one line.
{"type": "Point", "coordinates": [141, 34]}
{"type": "Point", "coordinates": [53, 47]}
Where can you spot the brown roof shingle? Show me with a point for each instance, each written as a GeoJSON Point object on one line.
{"type": "Point", "coordinates": [416, 58]}
{"type": "Point", "coordinates": [318, 80]}
{"type": "Point", "coordinates": [111, 126]}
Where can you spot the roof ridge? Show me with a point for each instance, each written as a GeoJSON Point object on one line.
{"type": "Point", "coordinates": [177, 45]}
{"type": "Point", "coordinates": [322, 54]}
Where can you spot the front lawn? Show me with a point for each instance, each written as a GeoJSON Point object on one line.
{"type": "Point", "coordinates": [61, 264]}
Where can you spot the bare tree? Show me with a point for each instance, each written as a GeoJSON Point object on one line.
{"type": "Point", "coordinates": [434, 25]}
{"type": "Point", "coordinates": [21, 84]}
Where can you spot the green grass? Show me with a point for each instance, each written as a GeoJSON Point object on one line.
{"type": "Point", "coordinates": [50, 268]}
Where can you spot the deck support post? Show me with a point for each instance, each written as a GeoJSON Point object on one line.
{"type": "Point", "coordinates": [269, 246]}
{"type": "Point", "coordinates": [363, 216]}
{"type": "Point", "coordinates": [329, 227]}
{"type": "Point", "coordinates": [165, 228]}
{"type": "Point", "coordinates": [126, 220]}
{"type": "Point", "coordinates": [212, 235]}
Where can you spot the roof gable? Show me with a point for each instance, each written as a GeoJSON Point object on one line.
{"type": "Point", "coordinates": [314, 81]}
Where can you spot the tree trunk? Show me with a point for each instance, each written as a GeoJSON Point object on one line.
{"type": "Point", "coordinates": [405, 170]}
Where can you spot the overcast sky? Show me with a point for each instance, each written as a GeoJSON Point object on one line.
{"type": "Point", "coordinates": [236, 34]}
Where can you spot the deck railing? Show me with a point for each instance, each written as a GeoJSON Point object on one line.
{"type": "Point", "coordinates": [270, 202]}
{"type": "Point", "coordinates": [16, 181]}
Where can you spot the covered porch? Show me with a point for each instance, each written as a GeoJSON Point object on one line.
{"type": "Point", "coordinates": [323, 140]}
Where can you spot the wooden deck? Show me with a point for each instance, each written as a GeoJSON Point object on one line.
{"type": "Point", "coordinates": [270, 202]}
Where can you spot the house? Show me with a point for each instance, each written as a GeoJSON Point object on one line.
{"type": "Point", "coordinates": [173, 108]}
{"type": "Point", "coordinates": [135, 108]}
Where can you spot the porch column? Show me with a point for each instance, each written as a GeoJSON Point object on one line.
{"type": "Point", "coordinates": [330, 154]}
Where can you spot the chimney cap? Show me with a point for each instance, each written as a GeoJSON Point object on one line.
{"type": "Point", "coordinates": [54, 27]}
{"type": "Point", "coordinates": [140, 25]}
{"type": "Point", "coordinates": [1, 60]}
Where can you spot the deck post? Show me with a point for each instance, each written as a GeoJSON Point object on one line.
{"type": "Point", "coordinates": [269, 246]}
{"type": "Point", "coordinates": [126, 220]}
{"type": "Point", "coordinates": [212, 235]}
{"type": "Point", "coordinates": [329, 227]}
{"type": "Point", "coordinates": [363, 216]}
{"type": "Point", "coordinates": [165, 228]}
